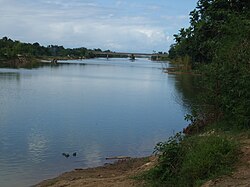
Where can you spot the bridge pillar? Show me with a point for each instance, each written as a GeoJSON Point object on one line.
{"type": "Point", "coordinates": [132, 57]}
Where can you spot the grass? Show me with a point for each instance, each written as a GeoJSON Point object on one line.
{"type": "Point", "coordinates": [190, 161]}
{"type": "Point", "coordinates": [207, 157]}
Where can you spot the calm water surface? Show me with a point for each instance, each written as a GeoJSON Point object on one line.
{"type": "Point", "coordinates": [98, 109]}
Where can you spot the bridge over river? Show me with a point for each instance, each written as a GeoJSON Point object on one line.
{"type": "Point", "coordinates": [127, 54]}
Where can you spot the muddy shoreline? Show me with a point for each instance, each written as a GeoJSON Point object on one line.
{"type": "Point", "coordinates": [119, 173]}
{"type": "Point", "coordinates": [123, 172]}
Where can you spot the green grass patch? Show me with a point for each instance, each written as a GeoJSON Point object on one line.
{"type": "Point", "coordinates": [190, 161]}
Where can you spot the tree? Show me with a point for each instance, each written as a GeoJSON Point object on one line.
{"type": "Point", "coordinates": [218, 41]}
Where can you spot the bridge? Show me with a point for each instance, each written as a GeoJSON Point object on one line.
{"type": "Point", "coordinates": [126, 54]}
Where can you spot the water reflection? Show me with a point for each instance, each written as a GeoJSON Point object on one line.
{"type": "Point", "coordinates": [92, 156]}
{"type": "Point", "coordinates": [7, 76]}
{"type": "Point", "coordinates": [99, 109]}
{"type": "Point", "coordinates": [37, 146]}
{"type": "Point", "coordinates": [188, 89]}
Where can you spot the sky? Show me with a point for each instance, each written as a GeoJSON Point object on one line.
{"type": "Point", "coordinates": [118, 25]}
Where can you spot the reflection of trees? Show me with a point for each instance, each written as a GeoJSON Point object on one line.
{"type": "Point", "coordinates": [188, 89]}
{"type": "Point", "coordinates": [9, 76]}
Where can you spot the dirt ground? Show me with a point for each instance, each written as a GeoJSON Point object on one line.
{"type": "Point", "coordinates": [113, 175]}
{"type": "Point", "coordinates": [120, 173]}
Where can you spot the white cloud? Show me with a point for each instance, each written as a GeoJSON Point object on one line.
{"type": "Point", "coordinates": [76, 23]}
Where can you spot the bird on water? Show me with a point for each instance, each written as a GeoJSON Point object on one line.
{"type": "Point", "coordinates": [65, 155]}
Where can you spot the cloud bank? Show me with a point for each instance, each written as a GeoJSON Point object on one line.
{"type": "Point", "coordinates": [118, 25]}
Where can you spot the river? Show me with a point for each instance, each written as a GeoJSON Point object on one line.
{"type": "Point", "coordinates": [97, 108]}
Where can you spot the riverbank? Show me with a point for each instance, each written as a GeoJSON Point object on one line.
{"type": "Point", "coordinates": [30, 62]}
{"type": "Point", "coordinates": [123, 173]}
{"type": "Point", "coordinates": [120, 174]}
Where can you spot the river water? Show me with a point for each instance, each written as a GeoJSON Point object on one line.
{"type": "Point", "coordinates": [98, 108]}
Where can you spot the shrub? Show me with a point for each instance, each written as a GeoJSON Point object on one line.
{"type": "Point", "coordinates": [185, 161]}
{"type": "Point", "coordinates": [206, 157]}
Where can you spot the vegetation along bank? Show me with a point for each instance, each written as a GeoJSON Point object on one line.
{"type": "Point", "coordinates": [216, 143]}
{"type": "Point", "coordinates": [216, 46]}
{"type": "Point", "coordinates": [16, 54]}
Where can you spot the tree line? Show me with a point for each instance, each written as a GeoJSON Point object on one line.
{"type": "Point", "coordinates": [11, 49]}
{"type": "Point", "coordinates": [216, 45]}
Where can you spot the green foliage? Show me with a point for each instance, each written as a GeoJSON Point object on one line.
{"type": "Point", "coordinates": [182, 63]}
{"type": "Point", "coordinates": [207, 26]}
{"type": "Point", "coordinates": [186, 161]}
{"type": "Point", "coordinates": [217, 42]}
{"type": "Point", "coordinates": [10, 49]}
{"type": "Point", "coordinates": [170, 158]}
{"type": "Point", "coordinates": [206, 157]}
{"type": "Point", "coordinates": [227, 80]}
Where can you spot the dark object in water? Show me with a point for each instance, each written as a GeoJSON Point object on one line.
{"type": "Point", "coordinates": [74, 154]}
{"type": "Point", "coordinates": [65, 155]}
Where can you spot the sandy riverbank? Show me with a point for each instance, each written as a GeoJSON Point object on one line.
{"type": "Point", "coordinates": [121, 173]}
{"type": "Point", "coordinates": [118, 174]}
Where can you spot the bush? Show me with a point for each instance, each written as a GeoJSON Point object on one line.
{"type": "Point", "coordinates": [206, 157]}
{"type": "Point", "coordinates": [185, 161]}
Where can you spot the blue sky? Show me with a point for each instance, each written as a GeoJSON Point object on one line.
{"type": "Point", "coordinates": [118, 25]}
